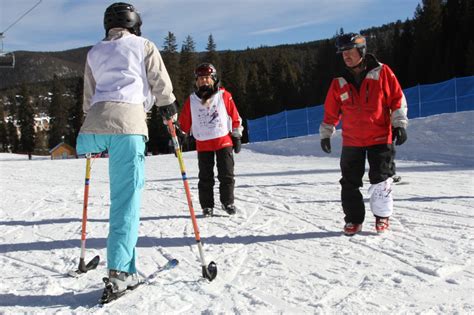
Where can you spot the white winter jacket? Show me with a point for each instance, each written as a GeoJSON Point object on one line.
{"type": "Point", "coordinates": [121, 84]}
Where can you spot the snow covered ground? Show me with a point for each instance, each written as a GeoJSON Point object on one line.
{"type": "Point", "coordinates": [283, 253]}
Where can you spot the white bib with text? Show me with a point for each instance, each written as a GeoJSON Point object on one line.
{"type": "Point", "coordinates": [209, 121]}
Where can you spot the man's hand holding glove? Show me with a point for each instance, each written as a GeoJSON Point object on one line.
{"type": "Point", "coordinates": [326, 145]}
{"type": "Point", "coordinates": [399, 135]}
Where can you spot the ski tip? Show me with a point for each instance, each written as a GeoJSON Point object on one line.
{"type": "Point", "coordinates": [172, 262]}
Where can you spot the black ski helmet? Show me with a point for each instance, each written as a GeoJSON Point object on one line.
{"type": "Point", "coordinates": [206, 69]}
{"type": "Point", "coordinates": [351, 40]}
{"type": "Point", "coordinates": [121, 14]}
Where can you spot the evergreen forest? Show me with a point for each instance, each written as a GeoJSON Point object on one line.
{"type": "Point", "coordinates": [435, 45]}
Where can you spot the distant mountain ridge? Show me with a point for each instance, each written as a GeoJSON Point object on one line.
{"type": "Point", "coordinates": [34, 67]}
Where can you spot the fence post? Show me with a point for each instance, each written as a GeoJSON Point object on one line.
{"type": "Point", "coordinates": [248, 129]}
{"type": "Point", "coordinates": [419, 99]}
{"type": "Point", "coordinates": [455, 96]}
{"type": "Point", "coordinates": [268, 132]}
{"type": "Point", "coordinates": [307, 120]}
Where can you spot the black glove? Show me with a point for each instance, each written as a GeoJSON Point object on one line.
{"type": "Point", "coordinates": [400, 135]}
{"type": "Point", "coordinates": [326, 145]}
{"type": "Point", "coordinates": [169, 111]}
{"type": "Point", "coordinates": [237, 144]}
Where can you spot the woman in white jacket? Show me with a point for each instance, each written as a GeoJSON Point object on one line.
{"type": "Point", "coordinates": [124, 77]}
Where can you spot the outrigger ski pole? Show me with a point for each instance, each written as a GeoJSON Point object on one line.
{"type": "Point", "coordinates": [83, 267]}
{"type": "Point", "coordinates": [209, 272]}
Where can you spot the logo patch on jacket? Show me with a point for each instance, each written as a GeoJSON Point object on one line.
{"type": "Point", "coordinates": [344, 96]}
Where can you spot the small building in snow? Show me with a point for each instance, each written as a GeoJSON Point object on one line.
{"type": "Point", "coordinates": [62, 151]}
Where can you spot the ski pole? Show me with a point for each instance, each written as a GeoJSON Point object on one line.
{"type": "Point", "coordinates": [209, 272]}
{"type": "Point", "coordinates": [83, 267]}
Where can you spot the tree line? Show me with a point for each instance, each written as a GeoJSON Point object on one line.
{"type": "Point", "coordinates": [435, 45]}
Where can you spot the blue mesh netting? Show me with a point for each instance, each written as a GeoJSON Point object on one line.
{"type": "Point", "coordinates": [450, 96]}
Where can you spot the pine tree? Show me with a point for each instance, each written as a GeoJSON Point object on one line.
{"type": "Point", "coordinates": [187, 62]}
{"type": "Point", "coordinates": [253, 109]}
{"type": "Point", "coordinates": [3, 129]}
{"type": "Point", "coordinates": [12, 130]}
{"type": "Point", "coordinates": [76, 114]}
{"type": "Point", "coordinates": [13, 140]}
{"type": "Point", "coordinates": [404, 69]}
{"type": "Point", "coordinates": [57, 114]}
{"type": "Point", "coordinates": [211, 54]}
{"type": "Point", "coordinates": [427, 50]}
{"type": "Point", "coordinates": [26, 122]}
{"type": "Point", "coordinates": [171, 60]}
{"type": "Point", "coordinates": [283, 78]}
{"type": "Point", "coordinates": [328, 64]}
{"type": "Point", "coordinates": [232, 77]}
{"type": "Point", "coordinates": [267, 90]}
{"type": "Point", "coordinates": [308, 79]}
{"type": "Point", "coordinates": [170, 45]}
{"type": "Point", "coordinates": [469, 59]}
{"type": "Point", "coordinates": [466, 39]}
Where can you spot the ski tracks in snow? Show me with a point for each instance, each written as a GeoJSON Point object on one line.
{"type": "Point", "coordinates": [283, 252]}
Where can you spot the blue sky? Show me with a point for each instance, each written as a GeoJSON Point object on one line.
{"type": "Point", "coordinates": [56, 25]}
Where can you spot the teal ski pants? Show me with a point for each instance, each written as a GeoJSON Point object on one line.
{"type": "Point", "coordinates": [127, 178]}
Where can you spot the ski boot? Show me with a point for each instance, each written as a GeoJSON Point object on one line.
{"type": "Point", "coordinates": [117, 284]}
{"type": "Point", "coordinates": [208, 212]}
{"type": "Point", "coordinates": [230, 209]}
{"type": "Point", "coordinates": [381, 224]}
{"type": "Point", "coordinates": [351, 228]}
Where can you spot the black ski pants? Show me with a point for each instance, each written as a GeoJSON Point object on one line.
{"type": "Point", "coordinates": [352, 164]}
{"type": "Point", "coordinates": [225, 174]}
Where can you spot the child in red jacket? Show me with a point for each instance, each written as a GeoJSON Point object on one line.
{"type": "Point", "coordinates": [210, 115]}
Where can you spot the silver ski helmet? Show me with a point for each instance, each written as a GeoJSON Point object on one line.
{"type": "Point", "coordinates": [351, 40]}
{"type": "Point", "coordinates": [121, 14]}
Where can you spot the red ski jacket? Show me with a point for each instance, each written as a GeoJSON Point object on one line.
{"type": "Point", "coordinates": [185, 121]}
{"type": "Point", "coordinates": [367, 113]}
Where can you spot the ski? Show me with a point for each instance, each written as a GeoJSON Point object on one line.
{"type": "Point", "coordinates": [108, 295]}
{"type": "Point", "coordinates": [90, 266]}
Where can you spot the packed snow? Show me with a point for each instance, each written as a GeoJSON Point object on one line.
{"type": "Point", "coordinates": [282, 253]}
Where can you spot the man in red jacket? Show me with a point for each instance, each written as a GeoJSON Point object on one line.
{"type": "Point", "coordinates": [369, 101]}
{"type": "Point", "coordinates": [210, 115]}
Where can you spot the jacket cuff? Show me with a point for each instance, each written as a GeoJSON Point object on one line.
{"type": "Point", "coordinates": [237, 132]}
{"type": "Point", "coordinates": [399, 119]}
{"type": "Point", "coordinates": [326, 130]}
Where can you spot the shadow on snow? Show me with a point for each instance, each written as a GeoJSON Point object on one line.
{"type": "Point", "coordinates": [147, 241]}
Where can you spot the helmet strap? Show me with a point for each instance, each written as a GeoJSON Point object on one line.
{"type": "Point", "coordinates": [360, 65]}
